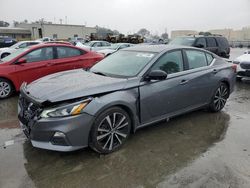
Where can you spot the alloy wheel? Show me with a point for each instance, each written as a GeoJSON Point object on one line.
{"type": "Point", "coordinates": [5, 89]}
{"type": "Point", "coordinates": [112, 131]}
{"type": "Point", "coordinates": [220, 97]}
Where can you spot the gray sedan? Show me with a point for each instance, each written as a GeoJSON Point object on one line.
{"type": "Point", "coordinates": [128, 90]}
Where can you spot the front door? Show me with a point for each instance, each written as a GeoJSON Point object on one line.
{"type": "Point", "coordinates": [162, 98]}
{"type": "Point", "coordinates": [36, 65]}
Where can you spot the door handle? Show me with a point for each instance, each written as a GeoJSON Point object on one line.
{"type": "Point", "coordinates": [183, 82]}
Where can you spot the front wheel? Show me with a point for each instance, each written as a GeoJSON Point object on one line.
{"type": "Point", "coordinates": [6, 88]}
{"type": "Point", "coordinates": [110, 130]}
{"type": "Point", "coordinates": [220, 98]}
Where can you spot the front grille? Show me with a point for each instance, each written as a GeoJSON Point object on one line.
{"type": "Point", "coordinates": [245, 65]}
{"type": "Point", "coordinates": [28, 110]}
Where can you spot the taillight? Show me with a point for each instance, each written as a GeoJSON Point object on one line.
{"type": "Point", "coordinates": [234, 67]}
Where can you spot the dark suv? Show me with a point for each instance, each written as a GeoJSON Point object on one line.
{"type": "Point", "coordinates": [216, 44]}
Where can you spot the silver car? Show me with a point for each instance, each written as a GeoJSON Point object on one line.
{"type": "Point", "coordinates": [130, 89]}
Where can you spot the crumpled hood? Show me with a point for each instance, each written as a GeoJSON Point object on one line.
{"type": "Point", "coordinates": [72, 84]}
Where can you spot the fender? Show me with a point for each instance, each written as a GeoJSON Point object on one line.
{"type": "Point", "coordinates": [127, 99]}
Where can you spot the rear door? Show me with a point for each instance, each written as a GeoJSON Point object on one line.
{"type": "Point", "coordinates": [36, 65]}
{"type": "Point", "coordinates": [201, 77]}
{"type": "Point", "coordinates": [68, 58]}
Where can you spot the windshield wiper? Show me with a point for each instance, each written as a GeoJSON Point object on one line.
{"type": "Point", "coordinates": [100, 73]}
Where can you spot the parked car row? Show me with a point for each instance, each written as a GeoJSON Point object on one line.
{"type": "Point", "coordinates": [130, 89]}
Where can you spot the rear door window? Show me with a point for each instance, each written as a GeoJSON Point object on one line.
{"type": "Point", "coordinates": [196, 59]}
{"type": "Point", "coordinates": [201, 41]}
{"type": "Point", "coordinates": [64, 52]}
{"type": "Point", "coordinates": [211, 42]}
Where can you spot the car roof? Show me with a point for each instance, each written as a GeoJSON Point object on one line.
{"type": "Point", "coordinates": [51, 44]}
{"type": "Point", "coordinates": [156, 48]}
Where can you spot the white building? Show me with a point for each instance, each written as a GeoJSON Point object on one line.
{"type": "Point", "coordinates": [57, 31]}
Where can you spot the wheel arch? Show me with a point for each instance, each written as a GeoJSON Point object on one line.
{"type": "Point", "coordinates": [227, 84]}
{"type": "Point", "coordinates": [12, 83]}
{"type": "Point", "coordinates": [125, 101]}
{"type": "Point", "coordinates": [5, 53]}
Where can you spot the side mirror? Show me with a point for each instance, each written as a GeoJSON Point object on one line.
{"type": "Point", "coordinates": [21, 60]}
{"type": "Point", "coordinates": [157, 75]}
{"type": "Point", "coordinates": [199, 45]}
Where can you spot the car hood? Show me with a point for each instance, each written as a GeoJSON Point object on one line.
{"type": "Point", "coordinates": [72, 84]}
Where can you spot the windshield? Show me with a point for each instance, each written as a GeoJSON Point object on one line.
{"type": "Point", "coordinates": [14, 54]}
{"type": "Point", "coordinates": [186, 41]}
{"type": "Point", "coordinates": [15, 45]}
{"type": "Point", "coordinates": [123, 64]}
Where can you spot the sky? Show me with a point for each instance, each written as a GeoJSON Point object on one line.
{"type": "Point", "coordinates": [128, 16]}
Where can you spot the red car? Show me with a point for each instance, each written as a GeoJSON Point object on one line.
{"type": "Point", "coordinates": [29, 64]}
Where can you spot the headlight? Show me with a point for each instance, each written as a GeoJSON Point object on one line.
{"type": "Point", "coordinates": [67, 110]}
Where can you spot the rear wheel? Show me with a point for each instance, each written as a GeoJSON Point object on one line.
{"type": "Point", "coordinates": [6, 88]}
{"type": "Point", "coordinates": [110, 130]}
{"type": "Point", "coordinates": [220, 98]}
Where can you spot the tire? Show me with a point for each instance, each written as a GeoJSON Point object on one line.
{"type": "Point", "coordinates": [4, 55]}
{"type": "Point", "coordinates": [219, 98]}
{"type": "Point", "coordinates": [6, 88]}
{"type": "Point", "coordinates": [238, 78]}
{"type": "Point", "coordinates": [110, 130]}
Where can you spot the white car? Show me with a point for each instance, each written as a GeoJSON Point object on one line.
{"type": "Point", "coordinates": [23, 44]}
{"type": "Point", "coordinates": [94, 45]}
{"type": "Point", "coordinates": [114, 48]}
{"type": "Point", "coordinates": [243, 65]}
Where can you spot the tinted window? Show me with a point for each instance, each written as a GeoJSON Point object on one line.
{"type": "Point", "coordinates": [41, 54]}
{"type": "Point", "coordinates": [201, 41]}
{"type": "Point", "coordinates": [222, 42]}
{"type": "Point", "coordinates": [170, 62]}
{"type": "Point", "coordinates": [32, 43]}
{"type": "Point", "coordinates": [196, 59]}
{"type": "Point", "coordinates": [63, 52]}
{"type": "Point", "coordinates": [105, 44]}
{"type": "Point", "coordinates": [211, 42]}
{"type": "Point", "coordinates": [209, 58]}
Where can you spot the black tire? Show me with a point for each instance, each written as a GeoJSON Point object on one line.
{"type": "Point", "coordinates": [219, 98]}
{"type": "Point", "coordinates": [4, 55]}
{"type": "Point", "coordinates": [108, 134]}
{"type": "Point", "coordinates": [6, 88]}
{"type": "Point", "coordinates": [238, 78]}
